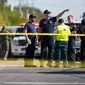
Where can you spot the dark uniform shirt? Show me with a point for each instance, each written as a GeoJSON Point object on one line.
{"type": "Point", "coordinates": [82, 31]}
{"type": "Point", "coordinates": [31, 28]}
{"type": "Point", "coordinates": [47, 26]}
{"type": "Point", "coordinates": [72, 29]}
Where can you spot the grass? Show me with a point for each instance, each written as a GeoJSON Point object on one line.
{"type": "Point", "coordinates": [20, 62]}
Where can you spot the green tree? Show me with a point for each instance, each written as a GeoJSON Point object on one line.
{"type": "Point", "coordinates": [8, 17]}
{"type": "Point", "coordinates": [2, 4]}
{"type": "Point", "coordinates": [14, 17]}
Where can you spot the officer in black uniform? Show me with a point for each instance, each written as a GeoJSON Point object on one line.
{"type": "Point", "coordinates": [82, 31]}
{"type": "Point", "coordinates": [47, 42]}
{"type": "Point", "coordinates": [71, 42]}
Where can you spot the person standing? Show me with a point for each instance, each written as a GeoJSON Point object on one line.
{"type": "Point", "coordinates": [4, 43]}
{"type": "Point", "coordinates": [31, 40]}
{"type": "Point", "coordinates": [47, 42]}
{"type": "Point", "coordinates": [71, 42]}
{"type": "Point", "coordinates": [61, 43]}
{"type": "Point", "coordinates": [82, 51]}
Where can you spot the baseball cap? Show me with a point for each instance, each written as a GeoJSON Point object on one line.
{"type": "Point", "coordinates": [32, 16]}
{"type": "Point", "coordinates": [47, 12]}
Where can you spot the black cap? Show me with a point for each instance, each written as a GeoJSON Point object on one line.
{"type": "Point", "coordinates": [47, 12]}
{"type": "Point", "coordinates": [32, 16]}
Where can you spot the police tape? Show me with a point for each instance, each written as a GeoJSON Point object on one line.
{"type": "Point", "coordinates": [42, 34]}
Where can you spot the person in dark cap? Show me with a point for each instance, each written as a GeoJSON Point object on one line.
{"type": "Point", "coordinates": [31, 41]}
{"type": "Point", "coordinates": [32, 16]}
{"type": "Point", "coordinates": [46, 11]}
{"type": "Point", "coordinates": [82, 31]}
{"type": "Point", "coordinates": [47, 26]}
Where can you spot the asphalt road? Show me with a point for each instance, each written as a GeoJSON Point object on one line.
{"type": "Point", "coordinates": [10, 75]}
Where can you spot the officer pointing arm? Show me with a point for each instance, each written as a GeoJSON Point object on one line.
{"type": "Point", "coordinates": [60, 14]}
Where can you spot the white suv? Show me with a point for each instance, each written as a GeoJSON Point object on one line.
{"type": "Point", "coordinates": [18, 45]}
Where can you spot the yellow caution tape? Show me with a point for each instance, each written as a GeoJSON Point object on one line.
{"type": "Point", "coordinates": [41, 34]}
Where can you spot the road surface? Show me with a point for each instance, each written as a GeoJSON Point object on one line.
{"type": "Point", "coordinates": [19, 75]}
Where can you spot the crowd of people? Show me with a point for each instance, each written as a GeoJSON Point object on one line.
{"type": "Point", "coordinates": [64, 45]}
{"type": "Point", "coordinates": [58, 47]}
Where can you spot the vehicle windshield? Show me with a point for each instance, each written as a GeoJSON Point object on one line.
{"type": "Point", "coordinates": [21, 29]}
{"type": "Point", "coordinates": [20, 40]}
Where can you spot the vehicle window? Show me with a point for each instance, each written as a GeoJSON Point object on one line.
{"type": "Point", "coordinates": [22, 42]}
{"type": "Point", "coordinates": [20, 30]}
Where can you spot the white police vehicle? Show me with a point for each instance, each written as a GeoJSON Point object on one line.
{"type": "Point", "coordinates": [18, 45]}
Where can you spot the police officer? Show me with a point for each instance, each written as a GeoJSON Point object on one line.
{"type": "Point", "coordinates": [82, 31]}
{"type": "Point", "coordinates": [47, 42]}
{"type": "Point", "coordinates": [61, 43]}
{"type": "Point", "coordinates": [31, 40]}
{"type": "Point", "coordinates": [71, 42]}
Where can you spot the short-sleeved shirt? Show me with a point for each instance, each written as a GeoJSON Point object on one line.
{"type": "Point", "coordinates": [47, 26]}
{"type": "Point", "coordinates": [31, 28]}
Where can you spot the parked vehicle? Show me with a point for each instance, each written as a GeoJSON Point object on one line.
{"type": "Point", "coordinates": [18, 46]}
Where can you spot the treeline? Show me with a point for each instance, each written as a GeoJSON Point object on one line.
{"type": "Point", "coordinates": [13, 17]}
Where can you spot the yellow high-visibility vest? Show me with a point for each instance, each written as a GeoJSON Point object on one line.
{"type": "Point", "coordinates": [64, 30]}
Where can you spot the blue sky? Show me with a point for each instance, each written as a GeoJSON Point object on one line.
{"type": "Point", "coordinates": [56, 6]}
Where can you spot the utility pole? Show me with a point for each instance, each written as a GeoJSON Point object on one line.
{"type": "Point", "coordinates": [27, 10]}
{"type": "Point", "coordinates": [33, 6]}
{"type": "Point", "coordinates": [20, 8]}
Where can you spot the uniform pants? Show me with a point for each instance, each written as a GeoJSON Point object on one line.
{"type": "Point", "coordinates": [82, 58]}
{"type": "Point", "coordinates": [60, 50]}
{"type": "Point", "coordinates": [30, 49]}
{"type": "Point", "coordinates": [71, 51]}
{"type": "Point", "coordinates": [7, 49]}
{"type": "Point", "coordinates": [4, 49]}
{"type": "Point", "coordinates": [47, 47]}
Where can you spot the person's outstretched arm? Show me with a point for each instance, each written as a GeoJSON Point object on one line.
{"type": "Point", "coordinates": [60, 14]}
